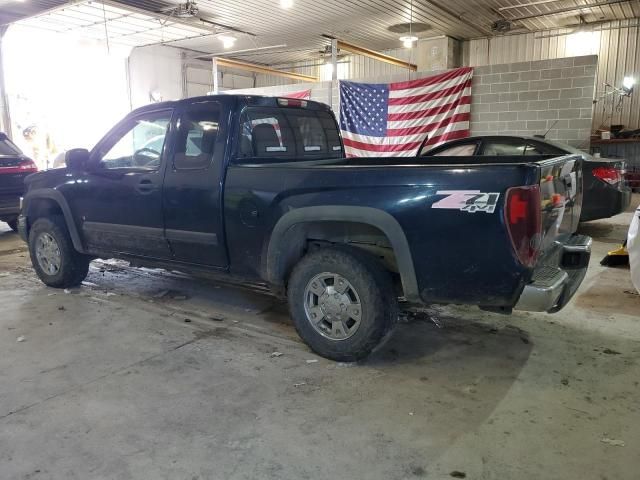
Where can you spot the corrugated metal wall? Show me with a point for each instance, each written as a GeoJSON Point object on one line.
{"type": "Point", "coordinates": [617, 45]}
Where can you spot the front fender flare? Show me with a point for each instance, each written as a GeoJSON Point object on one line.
{"type": "Point", "coordinates": [331, 213]}
{"type": "Point", "coordinates": [58, 198]}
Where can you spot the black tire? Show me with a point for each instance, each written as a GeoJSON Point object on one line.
{"type": "Point", "coordinates": [73, 265]}
{"type": "Point", "coordinates": [13, 224]}
{"type": "Point", "coordinates": [377, 299]}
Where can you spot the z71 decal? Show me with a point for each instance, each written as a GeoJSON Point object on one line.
{"type": "Point", "coordinates": [471, 201]}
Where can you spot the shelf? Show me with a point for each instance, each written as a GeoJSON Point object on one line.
{"type": "Point", "coordinates": [599, 141]}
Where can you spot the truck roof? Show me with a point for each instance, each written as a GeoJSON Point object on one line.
{"type": "Point", "coordinates": [255, 100]}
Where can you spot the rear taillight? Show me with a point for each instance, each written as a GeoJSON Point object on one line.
{"type": "Point", "coordinates": [523, 220]}
{"type": "Point", "coordinates": [28, 166]}
{"type": "Point", "coordinates": [292, 102]}
{"type": "Point", "coordinates": [610, 175]}
{"type": "Point", "coordinates": [22, 166]}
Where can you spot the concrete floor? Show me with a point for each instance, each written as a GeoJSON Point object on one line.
{"type": "Point", "coordinates": [144, 374]}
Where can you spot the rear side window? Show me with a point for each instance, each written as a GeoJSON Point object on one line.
{"type": "Point", "coordinates": [288, 133]}
{"type": "Point", "coordinates": [197, 136]}
{"type": "Point", "coordinates": [8, 148]}
{"type": "Point", "coordinates": [533, 150]}
{"type": "Point", "coordinates": [504, 148]}
{"type": "Point", "coordinates": [456, 151]}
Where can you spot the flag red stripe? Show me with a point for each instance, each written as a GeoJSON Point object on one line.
{"type": "Point", "coordinates": [423, 82]}
{"type": "Point", "coordinates": [430, 96]}
{"type": "Point", "coordinates": [445, 137]}
{"type": "Point", "coordinates": [304, 94]}
{"type": "Point", "coordinates": [430, 112]}
{"type": "Point", "coordinates": [458, 117]}
{"type": "Point", "coordinates": [380, 148]}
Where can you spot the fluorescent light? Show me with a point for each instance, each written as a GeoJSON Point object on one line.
{"type": "Point", "coordinates": [286, 3]}
{"type": "Point", "coordinates": [628, 82]}
{"type": "Point", "coordinates": [227, 41]}
{"type": "Point", "coordinates": [408, 40]}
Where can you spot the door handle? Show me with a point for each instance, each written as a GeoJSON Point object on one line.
{"type": "Point", "coordinates": [145, 186]}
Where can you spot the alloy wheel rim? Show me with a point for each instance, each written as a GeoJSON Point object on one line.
{"type": "Point", "coordinates": [332, 306]}
{"type": "Point", "coordinates": [48, 254]}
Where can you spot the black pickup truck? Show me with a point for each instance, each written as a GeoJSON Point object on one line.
{"type": "Point", "coordinates": [257, 191]}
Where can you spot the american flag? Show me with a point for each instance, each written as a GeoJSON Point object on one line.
{"type": "Point", "coordinates": [392, 119]}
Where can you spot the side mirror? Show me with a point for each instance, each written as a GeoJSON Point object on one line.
{"type": "Point", "coordinates": [77, 159]}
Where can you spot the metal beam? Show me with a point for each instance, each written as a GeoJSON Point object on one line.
{"type": "Point", "coordinates": [214, 75]}
{"type": "Point", "coordinates": [575, 8]}
{"type": "Point", "coordinates": [234, 52]}
{"type": "Point", "coordinates": [528, 4]}
{"type": "Point", "coordinates": [349, 47]}
{"type": "Point", "coordinates": [252, 67]}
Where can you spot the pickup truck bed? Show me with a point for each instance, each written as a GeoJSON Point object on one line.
{"type": "Point", "coordinates": [258, 190]}
{"type": "Point", "coordinates": [439, 240]}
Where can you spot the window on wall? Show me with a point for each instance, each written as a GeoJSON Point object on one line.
{"type": "Point", "coordinates": [197, 136]}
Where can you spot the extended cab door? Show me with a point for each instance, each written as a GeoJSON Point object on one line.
{"type": "Point", "coordinates": [117, 201]}
{"type": "Point", "coordinates": [192, 193]}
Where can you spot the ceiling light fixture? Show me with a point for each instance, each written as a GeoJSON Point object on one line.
{"type": "Point", "coordinates": [227, 41]}
{"type": "Point", "coordinates": [286, 3]}
{"type": "Point", "coordinates": [408, 40]}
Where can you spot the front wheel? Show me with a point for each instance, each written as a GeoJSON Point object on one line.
{"type": "Point", "coordinates": [342, 302]}
{"type": "Point", "coordinates": [53, 256]}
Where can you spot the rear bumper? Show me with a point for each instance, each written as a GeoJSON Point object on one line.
{"type": "Point", "coordinates": [604, 201]}
{"type": "Point", "coordinates": [552, 287]}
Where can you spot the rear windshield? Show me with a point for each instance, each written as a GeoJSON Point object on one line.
{"type": "Point", "coordinates": [8, 148]}
{"type": "Point", "coordinates": [288, 134]}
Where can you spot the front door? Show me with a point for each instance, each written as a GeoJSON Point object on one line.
{"type": "Point", "coordinates": [120, 200]}
{"type": "Point", "coordinates": [192, 192]}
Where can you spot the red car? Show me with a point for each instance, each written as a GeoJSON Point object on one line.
{"type": "Point", "coordinates": [14, 167]}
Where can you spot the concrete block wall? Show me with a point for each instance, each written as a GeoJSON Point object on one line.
{"type": "Point", "coordinates": [527, 98]}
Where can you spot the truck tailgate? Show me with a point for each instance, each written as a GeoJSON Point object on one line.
{"type": "Point", "coordinates": [561, 199]}
{"type": "Point", "coordinates": [563, 256]}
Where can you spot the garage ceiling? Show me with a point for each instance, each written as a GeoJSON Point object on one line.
{"type": "Point", "coordinates": [300, 28]}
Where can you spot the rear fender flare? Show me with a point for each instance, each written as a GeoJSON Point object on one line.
{"type": "Point", "coordinates": [281, 239]}
{"type": "Point", "coordinates": [58, 198]}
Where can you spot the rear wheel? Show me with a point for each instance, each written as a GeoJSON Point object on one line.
{"type": "Point", "coordinates": [53, 256]}
{"type": "Point", "coordinates": [342, 302]}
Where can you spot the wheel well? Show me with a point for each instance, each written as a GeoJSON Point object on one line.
{"type": "Point", "coordinates": [304, 237]}
{"type": "Point", "coordinates": [41, 207]}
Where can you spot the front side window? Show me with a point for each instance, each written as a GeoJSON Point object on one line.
{"type": "Point", "coordinates": [197, 136]}
{"type": "Point", "coordinates": [288, 133]}
{"type": "Point", "coordinates": [138, 144]}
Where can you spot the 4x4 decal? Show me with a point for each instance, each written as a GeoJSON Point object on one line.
{"type": "Point", "coordinates": [471, 201]}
